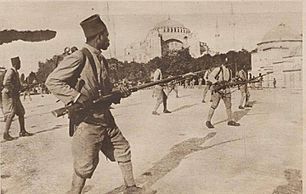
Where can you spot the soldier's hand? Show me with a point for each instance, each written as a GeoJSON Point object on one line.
{"type": "Point", "coordinates": [73, 110]}
{"type": "Point", "coordinates": [125, 92]}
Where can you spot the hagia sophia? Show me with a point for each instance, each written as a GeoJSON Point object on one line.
{"type": "Point", "coordinates": [279, 52]}
{"type": "Point", "coordinates": [166, 36]}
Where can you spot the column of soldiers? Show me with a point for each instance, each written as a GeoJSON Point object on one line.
{"type": "Point", "coordinates": [95, 128]}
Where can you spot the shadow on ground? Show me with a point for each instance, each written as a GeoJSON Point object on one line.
{"type": "Point", "coordinates": [42, 131]}
{"type": "Point", "coordinates": [172, 160]}
{"type": "Point", "coordinates": [238, 115]}
{"type": "Point", "coordinates": [183, 107]}
{"type": "Point", "coordinates": [295, 184]}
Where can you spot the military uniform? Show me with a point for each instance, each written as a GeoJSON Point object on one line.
{"type": "Point", "coordinates": [245, 94]}
{"type": "Point", "coordinates": [98, 123]}
{"type": "Point", "coordinates": [96, 130]}
{"type": "Point", "coordinates": [220, 74]}
{"type": "Point", "coordinates": [11, 100]}
{"type": "Point", "coordinates": [159, 93]}
{"type": "Point", "coordinates": [207, 85]}
{"type": "Point", "coordinates": [10, 94]}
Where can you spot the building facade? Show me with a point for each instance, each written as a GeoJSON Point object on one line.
{"type": "Point", "coordinates": [166, 37]}
{"type": "Point", "coordinates": [279, 52]}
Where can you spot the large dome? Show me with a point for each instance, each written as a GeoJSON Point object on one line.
{"type": "Point", "coordinates": [170, 24]}
{"type": "Point", "coordinates": [281, 32]}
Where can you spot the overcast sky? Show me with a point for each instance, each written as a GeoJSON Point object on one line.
{"type": "Point", "coordinates": [130, 21]}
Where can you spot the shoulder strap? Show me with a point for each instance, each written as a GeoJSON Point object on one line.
{"type": "Point", "coordinates": [105, 64]}
{"type": "Point", "coordinates": [88, 55]}
{"type": "Point", "coordinates": [217, 76]}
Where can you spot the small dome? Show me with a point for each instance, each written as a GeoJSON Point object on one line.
{"type": "Point", "coordinates": [281, 32]}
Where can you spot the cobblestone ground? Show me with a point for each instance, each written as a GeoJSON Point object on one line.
{"type": "Point", "coordinates": [172, 153]}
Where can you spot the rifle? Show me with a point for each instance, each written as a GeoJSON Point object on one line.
{"type": "Point", "coordinates": [108, 98]}
{"type": "Point", "coordinates": [224, 85]}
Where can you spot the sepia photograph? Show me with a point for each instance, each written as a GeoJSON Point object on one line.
{"type": "Point", "coordinates": [145, 97]}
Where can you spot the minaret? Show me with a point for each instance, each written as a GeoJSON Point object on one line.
{"type": "Point", "coordinates": [217, 38]}
{"type": "Point", "coordinates": [112, 48]}
{"type": "Point", "coordinates": [233, 26]}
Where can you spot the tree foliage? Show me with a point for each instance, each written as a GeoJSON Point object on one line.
{"type": "Point", "coordinates": [177, 64]}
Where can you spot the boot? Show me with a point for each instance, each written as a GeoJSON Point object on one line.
{"type": "Point", "coordinates": [137, 190]}
{"type": "Point", "coordinates": [248, 106]}
{"type": "Point", "coordinates": [7, 137]}
{"type": "Point", "coordinates": [233, 123]}
{"type": "Point", "coordinates": [127, 173]}
{"type": "Point", "coordinates": [241, 107]}
{"type": "Point", "coordinates": [24, 133]}
{"type": "Point", "coordinates": [166, 111]}
{"type": "Point", "coordinates": [209, 125]}
{"type": "Point", "coordinates": [155, 113]}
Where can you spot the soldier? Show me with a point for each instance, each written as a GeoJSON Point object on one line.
{"type": "Point", "coordinates": [274, 82]}
{"type": "Point", "coordinates": [159, 92]}
{"type": "Point", "coordinates": [27, 92]}
{"type": "Point", "coordinates": [11, 100]}
{"type": "Point", "coordinates": [207, 84]}
{"type": "Point", "coordinates": [96, 130]}
{"type": "Point", "coordinates": [221, 75]}
{"type": "Point", "coordinates": [245, 94]}
{"type": "Point", "coordinates": [172, 86]}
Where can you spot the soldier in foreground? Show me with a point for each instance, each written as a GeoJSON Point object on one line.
{"type": "Point", "coordinates": [11, 100]}
{"type": "Point", "coordinates": [218, 76]}
{"type": "Point", "coordinates": [245, 94]}
{"type": "Point", "coordinates": [96, 129]}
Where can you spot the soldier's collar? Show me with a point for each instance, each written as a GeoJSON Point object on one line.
{"type": "Point", "coordinates": [93, 50]}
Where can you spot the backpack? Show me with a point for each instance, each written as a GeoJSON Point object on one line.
{"type": "Point", "coordinates": [73, 81]}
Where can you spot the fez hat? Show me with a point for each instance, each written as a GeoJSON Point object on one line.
{"type": "Point", "coordinates": [15, 60]}
{"type": "Point", "coordinates": [92, 26]}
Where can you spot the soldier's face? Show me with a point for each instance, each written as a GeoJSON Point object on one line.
{"type": "Point", "coordinates": [103, 41]}
{"type": "Point", "coordinates": [17, 66]}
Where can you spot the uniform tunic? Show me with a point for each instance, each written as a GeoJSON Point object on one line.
{"type": "Point", "coordinates": [98, 131]}
{"type": "Point", "coordinates": [220, 74]}
{"type": "Point", "coordinates": [10, 94]}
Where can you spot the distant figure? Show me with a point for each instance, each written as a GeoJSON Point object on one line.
{"type": "Point", "coordinates": [260, 81]}
{"type": "Point", "coordinates": [253, 83]}
{"type": "Point", "coordinates": [11, 100]}
{"type": "Point", "coordinates": [186, 83]}
{"type": "Point", "coordinates": [27, 91]}
{"type": "Point", "coordinates": [200, 82]}
{"type": "Point", "coordinates": [207, 84]}
{"type": "Point", "coordinates": [159, 92]}
{"type": "Point", "coordinates": [245, 94]}
{"type": "Point", "coordinates": [274, 82]}
{"type": "Point", "coordinates": [192, 83]}
{"type": "Point", "coordinates": [172, 86]}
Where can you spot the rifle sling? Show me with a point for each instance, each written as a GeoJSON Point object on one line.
{"type": "Point", "coordinates": [92, 63]}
